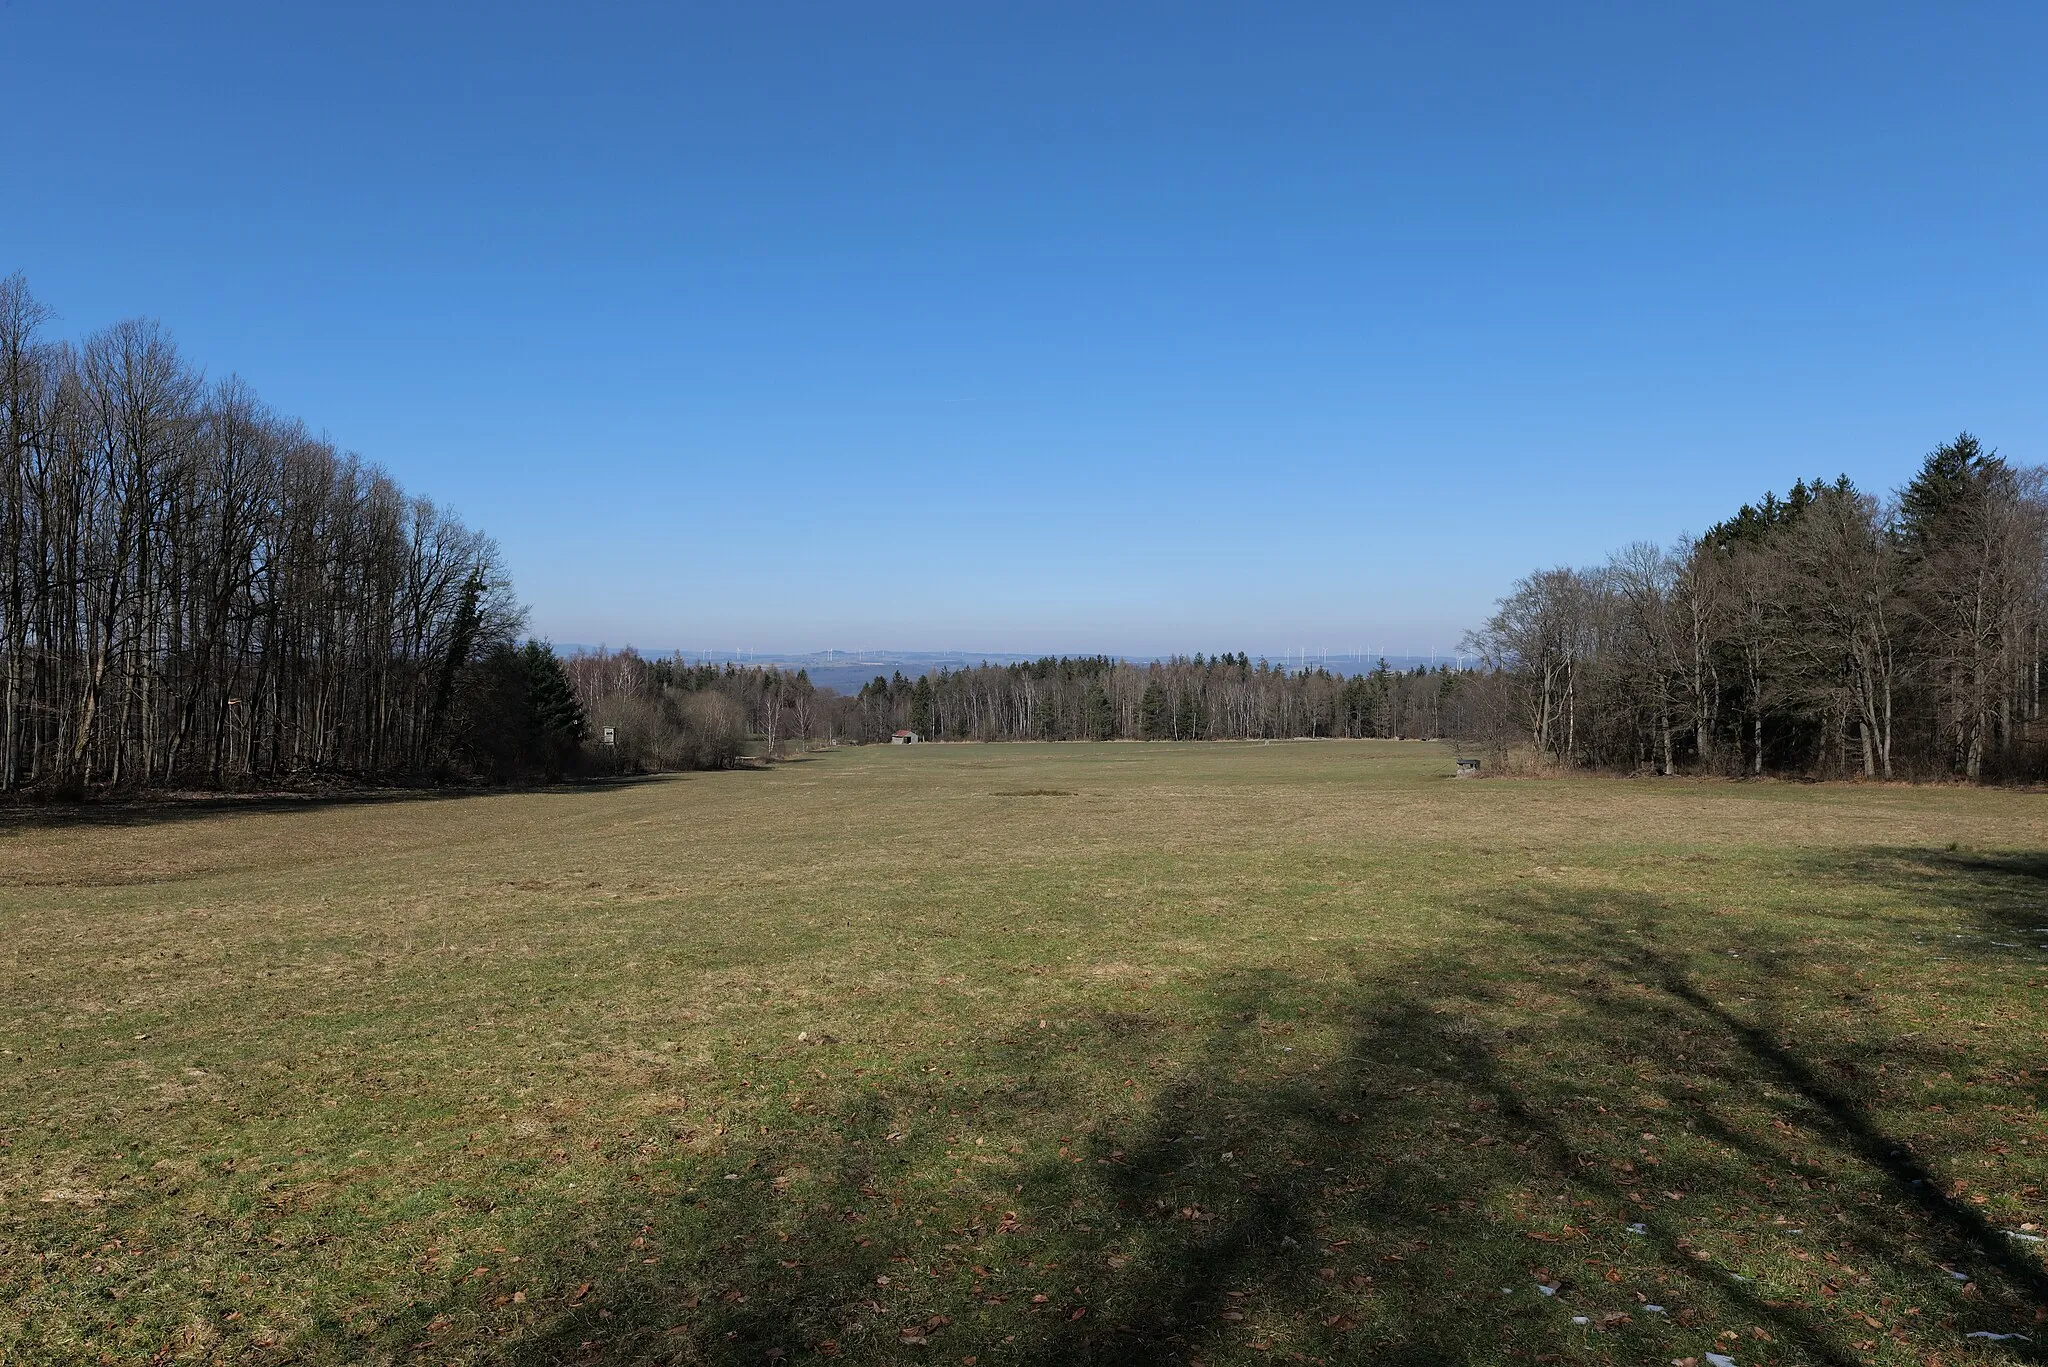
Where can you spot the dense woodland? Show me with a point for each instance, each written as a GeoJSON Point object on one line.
{"type": "Point", "coordinates": [1826, 633]}
{"type": "Point", "coordinates": [671, 713]}
{"type": "Point", "coordinates": [1224, 697]}
{"type": "Point", "coordinates": [195, 590]}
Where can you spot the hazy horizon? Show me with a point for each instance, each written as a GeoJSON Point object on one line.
{"type": "Point", "coordinates": [1274, 655]}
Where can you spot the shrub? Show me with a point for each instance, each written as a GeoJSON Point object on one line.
{"type": "Point", "coordinates": [675, 729]}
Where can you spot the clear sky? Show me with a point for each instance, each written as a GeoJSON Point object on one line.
{"type": "Point", "coordinates": [1018, 327]}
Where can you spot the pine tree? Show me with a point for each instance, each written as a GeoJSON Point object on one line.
{"type": "Point", "coordinates": [1154, 721]}
{"type": "Point", "coordinates": [921, 707]}
{"type": "Point", "coordinates": [1098, 713]}
{"type": "Point", "coordinates": [557, 716]}
{"type": "Point", "coordinates": [1949, 477]}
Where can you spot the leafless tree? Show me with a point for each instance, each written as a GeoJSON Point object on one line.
{"type": "Point", "coordinates": [1824, 632]}
{"type": "Point", "coordinates": [194, 590]}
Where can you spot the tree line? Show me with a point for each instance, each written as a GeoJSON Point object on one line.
{"type": "Point", "coordinates": [1221, 697]}
{"type": "Point", "coordinates": [197, 590]}
{"type": "Point", "coordinates": [1828, 632]}
{"type": "Point", "coordinates": [670, 713]}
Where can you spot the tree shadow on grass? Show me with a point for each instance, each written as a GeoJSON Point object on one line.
{"type": "Point", "coordinates": [147, 810]}
{"type": "Point", "coordinates": [1588, 1136]}
{"type": "Point", "coordinates": [2001, 893]}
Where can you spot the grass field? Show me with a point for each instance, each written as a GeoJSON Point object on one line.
{"type": "Point", "coordinates": [1007, 1054]}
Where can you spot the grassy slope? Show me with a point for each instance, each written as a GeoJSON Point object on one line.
{"type": "Point", "coordinates": [952, 1053]}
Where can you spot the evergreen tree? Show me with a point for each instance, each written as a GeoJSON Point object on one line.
{"type": "Point", "coordinates": [1754, 524]}
{"type": "Point", "coordinates": [1358, 706]}
{"type": "Point", "coordinates": [556, 716]}
{"type": "Point", "coordinates": [1098, 713]}
{"type": "Point", "coordinates": [921, 707]}
{"type": "Point", "coordinates": [515, 714]}
{"type": "Point", "coordinates": [1154, 721]}
{"type": "Point", "coordinates": [1949, 478]}
{"type": "Point", "coordinates": [461, 641]}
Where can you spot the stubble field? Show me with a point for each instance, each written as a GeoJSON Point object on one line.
{"type": "Point", "coordinates": [1008, 1054]}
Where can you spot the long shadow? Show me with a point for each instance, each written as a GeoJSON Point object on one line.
{"type": "Point", "coordinates": [1569, 1107]}
{"type": "Point", "coordinates": [2005, 893]}
{"type": "Point", "coordinates": [1419, 1201]}
{"type": "Point", "coordinates": [1849, 1127]}
{"type": "Point", "coordinates": [1926, 1229]}
{"type": "Point", "coordinates": [145, 810]}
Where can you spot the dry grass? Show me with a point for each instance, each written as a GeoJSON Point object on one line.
{"type": "Point", "coordinates": [1122, 1053]}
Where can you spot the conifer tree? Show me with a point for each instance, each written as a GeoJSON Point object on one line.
{"type": "Point", "coordinates": [921, 707]}
{"type": "Point", "coordinates": [1099, 713]}
{"type": "Point", "coordinates": [1154, 721]}
{"type": "Point", "coordinates": [551, 703]}
{"type": "Point", "coordinates": [1948, 478]}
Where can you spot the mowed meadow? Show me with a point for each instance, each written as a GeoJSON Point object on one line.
{"type": "Point", "coordinates": [1011, 1053]}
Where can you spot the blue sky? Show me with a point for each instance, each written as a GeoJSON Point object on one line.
{"type": "Point", "coordinates": [1134, 328]}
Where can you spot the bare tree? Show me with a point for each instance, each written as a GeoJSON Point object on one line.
{"type": "Point", "coordinates": [1542, 636]}
{"type": "Point", "coordinates": [1823, 632]}
{"type": "Point", "coordinates": [194, 589]}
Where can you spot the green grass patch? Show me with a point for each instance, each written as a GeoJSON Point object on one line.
{"type": "Point", "coordinates": [1220, 1053]}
